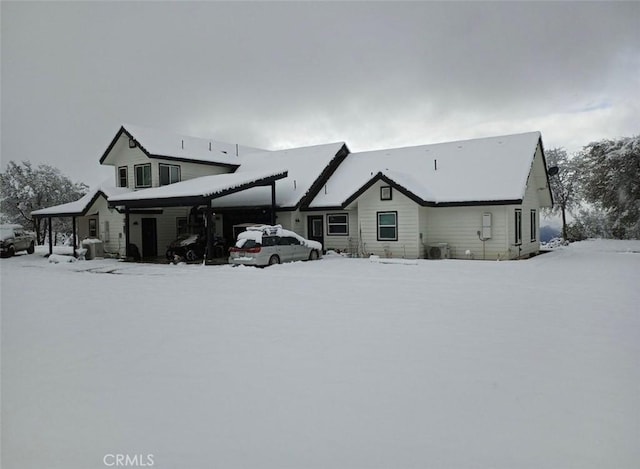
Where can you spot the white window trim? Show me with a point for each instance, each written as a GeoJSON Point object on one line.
{"type": "Point", "coordinates": [345, 224]}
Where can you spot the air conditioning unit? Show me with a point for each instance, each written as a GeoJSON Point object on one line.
{"type": "Point", "coordinates": [438, 251]}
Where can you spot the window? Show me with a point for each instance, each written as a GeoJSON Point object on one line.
{"type": "Point", "coordinates": [518, 226]}
{"type": "Point", "coordinates": [534, 225]}
{"type": "Point", "coordinates": [93, 228]}
{"type": "Point", "coordinates": [338, 224]}
{"type": "Point", "coordinates": [169, 174]}
{"type": "Point", "coordinates": [181, 226]}
{"type": "Point", "coordinates": [123, 179]}
{"type": "Point", "coordinates": [387, 226]}
{"type": "Point", "coordinates": [143, 175]}
{"type": "Point", "coordinates": [385, 193]}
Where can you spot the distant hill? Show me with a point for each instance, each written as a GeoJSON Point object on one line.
{"type": "Point", "coordinates": [549, 232]}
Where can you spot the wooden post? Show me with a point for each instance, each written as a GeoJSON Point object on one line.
{"type": "Point", "coordinates": [127, 238]}
{"type": "Point", "coordinates": [273, 203]}
{"type": "Point", "coordinates": [73, 224]}
{"type": "Point", "coordinates": [50, 239]}
{"type": "Point", "coordinates": [209, 232]}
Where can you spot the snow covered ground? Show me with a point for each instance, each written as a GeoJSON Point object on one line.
{"type": "Point", "coordinates": [339, 363]}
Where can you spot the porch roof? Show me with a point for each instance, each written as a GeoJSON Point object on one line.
{"type": "Point", "coordinates": [81, 206]}
{"type": "Point", "coordinates": [198, 191]}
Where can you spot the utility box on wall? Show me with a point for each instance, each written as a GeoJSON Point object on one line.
{"type": "Point", "coordinates": [486, 225]}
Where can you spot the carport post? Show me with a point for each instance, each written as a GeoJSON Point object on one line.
{"type": "Point", "coordinates": [50, 238]}
{"type": "Point", "coordinates": [126, 232]}
{"type": "Point", "coordinates": [273, 203]}
{"type": "Point", "coordinates": [209, 215]}
{"type": "Point", "coordinates": [73, 224]}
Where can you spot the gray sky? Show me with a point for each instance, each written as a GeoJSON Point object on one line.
{"type": "Point", "coordinates": [274, 75]}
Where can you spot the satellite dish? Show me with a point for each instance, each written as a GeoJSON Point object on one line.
{"type": "Point", "coordinates": [552, 171]}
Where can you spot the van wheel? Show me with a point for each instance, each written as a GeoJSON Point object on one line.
{"type": "Point", "coordinates": [11, 251]}
{"type": "Point", "coordinates": [31, 249]}
{"type": "Point", "coordinates": [274, 260]}
{"type": "Point", "coordinates": [191, 255]}
{"type": "Point", "coordinates": [313, 255]}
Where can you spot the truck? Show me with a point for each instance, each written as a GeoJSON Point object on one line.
{"type": "Point", "coordinates": [14, 238]}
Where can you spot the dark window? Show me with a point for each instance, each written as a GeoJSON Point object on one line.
{"type": "Point", "coordinates": [385, 193]}
{"type": "Point", "coordinates": [181, 226]}
{"type": "Point", "coordinates": [534, 225]}
{"type": "Point", "coordinates": [93, 228]}
{"type": "Point", "coordinates": [518, 226]}
{"type": "Point", "coordinates": [288, 241]}
{"type": "Point", "coordinates": [269, 241]}
{"type": "Point", "coordinates": [169, 174]}
{"type": "Point", "coordinates": [143, 175]}
{"type": "Point", "coordinates": [123, 179]}
{"type": "Point", "coordinates": [387, 226]}
{"type": "Point", "coordinates": [338, 224]}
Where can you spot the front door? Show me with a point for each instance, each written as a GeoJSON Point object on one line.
{"type": "Point", "coordinates": [149, 238]}
{"type": "Point", "coordinates": [315, 228]}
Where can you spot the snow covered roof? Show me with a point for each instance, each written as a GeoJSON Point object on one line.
{"type": "Point", "coordinates": [478, 170]}
{"type": "Point", "coordinates": [196, 190]}
{"type": "Point", "coordinates": [305, 166]}
{"type": "Point", "coordinates": [81, 206]}
{"type": "Point", "coordinates": [160, 144]}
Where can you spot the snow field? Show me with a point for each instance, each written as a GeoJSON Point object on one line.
{"type": "Point", "coordinates": [341, 363]}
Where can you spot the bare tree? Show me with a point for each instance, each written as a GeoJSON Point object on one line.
{"type": "Point", "coordinates": [565, 184]}
{"type": "Point", "coordinates": [25, 188]}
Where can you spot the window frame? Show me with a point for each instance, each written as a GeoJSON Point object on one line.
{"type": "Point", "coordinates": [384, 196]}
{"type": "Point", "coordinates": [395, 225]}
{"type": "Point", "coordinates": [533, 220]}
{"type": "Point", "coordinates": [345, 224]}
{"type": "Point", "coordinates": [126, 176]}
{"type": "Point", "coordinates": [162, 166]}
{"type": "Point", "coordinates": [517, 226]}
{"type": "Point", "coordinates": [142, 167]}
{"type": "Point", "coordinates": [93, 228]}
{"type": "Point", "coordinates": [184, 221]}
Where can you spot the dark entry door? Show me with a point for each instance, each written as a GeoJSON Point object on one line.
{"type": "Point", "coordinates": [315, 228]}
{"type": "Point", "coordinates": [149, 238]}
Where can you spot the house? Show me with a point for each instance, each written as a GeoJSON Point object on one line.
{"type": "Point", "coordinates": [478, 198]}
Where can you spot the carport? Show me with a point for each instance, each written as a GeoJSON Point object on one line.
{"type": "Point", "coordinates": [196, 193]}
{"type": "Point", "coordinates": [73, 210]}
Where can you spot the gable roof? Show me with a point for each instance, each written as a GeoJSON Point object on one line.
{"type": "Point", "coordinates": [165, 145]}
{"type": "Point", "coordinates": [307, 167]}
{"type": "Point", "coordinates": [81, 206]}
{"type": "Point", "coordinates": [478, 171]}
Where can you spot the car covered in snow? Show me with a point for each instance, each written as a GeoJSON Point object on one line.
{"type": "Point", "coordinates": [193, 247]}
{"type": "Point", "coordinates": [264, 245]}
{"type": "Point", "coordinates": [13, 238]}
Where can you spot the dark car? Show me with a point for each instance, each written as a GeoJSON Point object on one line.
{"type": "Point", "coordinates": [193, 247]}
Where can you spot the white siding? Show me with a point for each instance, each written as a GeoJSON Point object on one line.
{"type": "Point", "coordinates": [121, 155]}
{"type": "Point", "coordinates": [459, 226]}
{"type": "Point", "coordinates": [369, 204]}
{"type": "Point", "coordinates": [348, 243]}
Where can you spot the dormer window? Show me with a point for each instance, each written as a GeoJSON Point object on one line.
{"type": "Point", "coordinates": [169, 174]}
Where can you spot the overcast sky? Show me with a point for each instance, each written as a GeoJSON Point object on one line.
{"type": "Point", "coordinates": [274, 75]}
